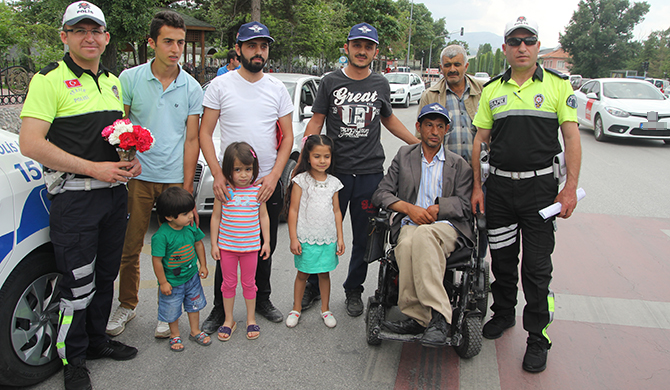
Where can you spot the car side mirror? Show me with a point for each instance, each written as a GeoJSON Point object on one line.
{"type": "Point", "coordinates": [306, 113]}
{"type": "Point", "coordinates": [592, 95]}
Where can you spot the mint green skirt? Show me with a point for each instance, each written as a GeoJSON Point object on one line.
{"type": "Point", "coordinates": [316, 259]}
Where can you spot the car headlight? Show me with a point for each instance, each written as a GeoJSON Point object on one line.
{"type": "Point", "coordinates": [400, 90]}
{"type": "Point", "coordinates": [617, 112]}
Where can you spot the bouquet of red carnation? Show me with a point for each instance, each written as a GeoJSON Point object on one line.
{"type": "Point", "coordinates": [128, 138]}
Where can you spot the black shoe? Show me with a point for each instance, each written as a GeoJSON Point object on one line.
{"type": "Point", "coordinates": [214, 320]}
{"type": "Point", "coordinates": [535, 359]}
{"type": "Point", "coordinates": [76, 376]}
{"type": "Point", "coordinates": [111, 349]}
{"type": "Point", "coordinates": [269, 311]}
{"type": "Point", "coordinates": [310, 296]}
{"type": "Point", "coordinates": [354, 303]}
{"type": "Point", "coordinates": [497, 325]}
{"type": "Point", "coordinates": [436, 332]}
{"type": "Point", "coordinates": [408, 326]}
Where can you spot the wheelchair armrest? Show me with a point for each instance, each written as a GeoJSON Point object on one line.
{"type": "Point", "coordinates": [480, 220]}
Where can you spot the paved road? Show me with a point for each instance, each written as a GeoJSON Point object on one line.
{"type": "Point", "coordinates": [612, 326]}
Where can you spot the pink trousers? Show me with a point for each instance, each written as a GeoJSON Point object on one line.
{"type": "Point", "coordinates": [248, 262]}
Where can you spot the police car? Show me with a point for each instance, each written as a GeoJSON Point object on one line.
{"type": "Point", "coordinates": [29, 296]}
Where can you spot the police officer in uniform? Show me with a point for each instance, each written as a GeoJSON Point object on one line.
{"type": "Point", "coordinates": [69, 104]}
{"type": "Point", "coordinates": [519, 115]}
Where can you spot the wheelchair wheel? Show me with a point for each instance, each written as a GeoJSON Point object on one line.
{"type": "Point", "coordinates": [472, 338]}
{"type": "Point", "coordinates": [373, 318]}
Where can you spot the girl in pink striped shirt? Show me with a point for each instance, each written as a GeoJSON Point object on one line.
{"type": "Point", "coordinates": [236, 227]}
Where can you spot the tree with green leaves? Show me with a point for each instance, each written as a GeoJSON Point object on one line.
{"type": "Point", "coordinates": [599, 35]}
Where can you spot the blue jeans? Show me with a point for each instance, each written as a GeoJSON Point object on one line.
{"type": "Point", "coordinates": [190, 295]}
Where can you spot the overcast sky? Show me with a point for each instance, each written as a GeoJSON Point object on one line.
{"type": "Point", "coordinates": [552, 16]}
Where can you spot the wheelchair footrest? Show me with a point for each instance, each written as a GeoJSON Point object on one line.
{"type": "Point", "coordinates": [388, 335]}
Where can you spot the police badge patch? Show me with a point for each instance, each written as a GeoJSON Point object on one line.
{"type": "Point", "coordinates": [572, 101]}
{"type": "Point", "coordinates": [538, 99]}
{"type": "Point", "coordinates": [116, 91]}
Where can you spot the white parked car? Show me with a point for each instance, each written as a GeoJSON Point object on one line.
{"type": "Point", "coordinates": [405, 87]}
{"type": "Point", "coordinates": [28, 278]}
{"type": "Point", "coordinates": [615, 107]}
{"type": "Point", "coordinates": [482, 76]}
{"type": "Point", "coordinates": [302, 88]}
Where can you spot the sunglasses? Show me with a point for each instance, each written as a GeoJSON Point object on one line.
{"type": "Point", "coordinates": [529, 41]}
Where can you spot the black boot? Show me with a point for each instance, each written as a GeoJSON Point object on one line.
{"type": "Point", "coordinates": [214, 320]}
{"type": "Point", "coordinates": [436, 333]}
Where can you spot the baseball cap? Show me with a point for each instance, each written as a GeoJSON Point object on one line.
{"type": "Point", "coordinates": [363, 31]}
{"type": "Point", "coordinates": [521, 22]}
{"type": "Point", "coordinates": [434, 108]}
{"type": "Point", "coordinates": [253, 30]}
{"type": "Point", "coordinates": [81, 10]}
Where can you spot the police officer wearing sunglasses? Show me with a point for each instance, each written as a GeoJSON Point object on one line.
{"type": "Point", "coordinates": [519, 115]}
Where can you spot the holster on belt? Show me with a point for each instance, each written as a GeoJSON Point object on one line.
{"type": "Point", "coordinates": [55, 180]}
{"type": "Point", "coordinates": [560, 170]}
{"type": "Point", "coordinates": [484, 162]}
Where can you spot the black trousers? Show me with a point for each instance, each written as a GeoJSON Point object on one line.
{"type": "Point", "coordinates": [87, 232]}
{"type": "Point", "coordinates": [264, 268]}
{"type": "Point", "coordinates": [512, 216]}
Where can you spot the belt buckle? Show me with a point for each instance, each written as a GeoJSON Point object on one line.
{"type": "Point", "coordinates": [515, 175]}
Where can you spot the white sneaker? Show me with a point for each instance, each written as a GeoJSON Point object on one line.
{"type": "Point", "coordinates": [162, 330]}
{"type": "Point", "coordinates": [292, 319]}
{"type": "Point", "coordinates": [329, 319]}
{"type": "Point", "coordinates": [117, 323]}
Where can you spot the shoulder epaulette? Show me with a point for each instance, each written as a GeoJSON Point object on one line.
{"type": "Point", "coordinates": [49, 68]}
{"type": "Point", "coordinates": [493, 79]}
{"type": "Point", "coordinates": [557, 73]}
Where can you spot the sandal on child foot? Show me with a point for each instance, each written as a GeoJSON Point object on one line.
{"type": "Point", "coordinates": [253, 328]}
{"type": "Point", "coordinates": [225, 332]}
{"type": "Point", "coordinates": [292, 319]}
{"type": "Point", "coordinates": [200, 338]}
{"type": "Point", "coordinates": [329, 319]}
{"type": "Point", "coordinates": [176, 342]}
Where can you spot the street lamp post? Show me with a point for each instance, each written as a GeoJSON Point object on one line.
{"type": "Point", "coordinates": [409, 40]}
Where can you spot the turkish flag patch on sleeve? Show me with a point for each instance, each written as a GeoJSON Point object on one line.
{"type": "Point", "coordinates": [72, 83]}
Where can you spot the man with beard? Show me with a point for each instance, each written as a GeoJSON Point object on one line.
{"type": "Point", "coordinates": [248, 104]}
{"type": "Point", "coordinates": [459, 94]}
{"type": "Point", "coordinates": [356, 101]}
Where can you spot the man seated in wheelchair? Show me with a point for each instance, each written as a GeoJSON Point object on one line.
{"type": "Point", "coordinates": [430, 187]}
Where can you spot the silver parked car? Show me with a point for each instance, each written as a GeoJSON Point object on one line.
{"type": "Point", "coordinates": [302, 88]}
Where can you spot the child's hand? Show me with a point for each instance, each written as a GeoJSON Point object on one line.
{"type": "Point", "coordinates": [340, 247]}
{"type": "Point", "coordinates": [296, 248]}
{"type": "Point", "coordinates": [204, 272]}
{"type": "Point", "coordinates": [166, 288]}
{"type": "Point", "coordinates": [265, 251]}
{"type": "Point", "coordinates": [216, 253]}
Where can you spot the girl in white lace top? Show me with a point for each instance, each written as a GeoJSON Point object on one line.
{"type": "Point", "coordinates": [315, 223]}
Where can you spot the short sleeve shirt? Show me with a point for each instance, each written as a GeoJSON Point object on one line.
{"type": "Point", "coordinates": [249, 112]}
{"type": "Point", "coordinates": [524, 120]}
{"type": "Point", "coordinates": [79, 105]}
{"type": "Point", "coordinates": [165, 113]}
{"type": "Point", "coordinates": [239, 229]}
{"type": "Point", "coordinates": [316, 220]}
{"type": "Point", "coordinates": [353, 110]}
{"type": "Point", "coordinates": [177, 248]}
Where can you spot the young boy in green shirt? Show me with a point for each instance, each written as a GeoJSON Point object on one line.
{"type": "Point", "coordinates": [176, 248]}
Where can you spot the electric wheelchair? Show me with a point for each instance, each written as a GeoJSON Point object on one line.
{"type": "Point", "coordinates": [466, 281]}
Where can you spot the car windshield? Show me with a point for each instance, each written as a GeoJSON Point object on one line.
{"type": "Point", "coordinates": [628, 90]}
{"type": "Point", "coordinates": [397, 78]}
{"type": "Point", "coordinates": [290, 85]}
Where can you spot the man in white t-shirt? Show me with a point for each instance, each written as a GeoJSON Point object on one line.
{"type": "Point", "coordinates": [247, 103]}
